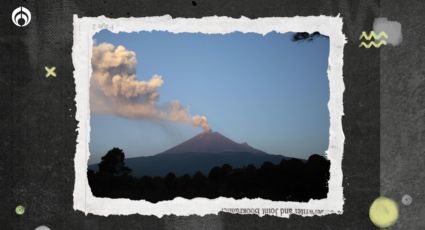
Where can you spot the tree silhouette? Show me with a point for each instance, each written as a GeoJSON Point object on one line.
{"type": "Point", "coordinates": [113, 163]}
{"type": "Point", "coordinates": [290, 180]}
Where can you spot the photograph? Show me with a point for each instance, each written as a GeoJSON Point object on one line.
{"type": "Point", "coordinates": [208, 115]}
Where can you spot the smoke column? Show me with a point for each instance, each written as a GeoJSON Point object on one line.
{"type": "Point", "coordinates": [202, 122]}
{"type": "Point", "coordinates": [114, 89]}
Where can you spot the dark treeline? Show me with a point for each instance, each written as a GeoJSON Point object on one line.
{"type": "Point", "coordinates": [291, 180]}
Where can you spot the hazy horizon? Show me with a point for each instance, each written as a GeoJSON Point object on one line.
{"type": "Point", "coordinates": [267, 91]}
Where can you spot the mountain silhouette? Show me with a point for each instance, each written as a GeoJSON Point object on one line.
{"type": "Point", "coordinates": [200, 153]}
{"type": "Point", "coordinates": [211, 142]}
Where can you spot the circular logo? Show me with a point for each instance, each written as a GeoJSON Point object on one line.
{"type": "Point", "coordinates": [20, 210]}
{"type": "Point", "coordinates": [21, 16]}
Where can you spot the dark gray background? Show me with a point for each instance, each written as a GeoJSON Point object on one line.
{"type": "Point", "coordinates": [402, 76]}
{"type": "Point", "coordinates": [383, 104]}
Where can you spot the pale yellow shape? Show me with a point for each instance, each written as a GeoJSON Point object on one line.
{"type": "Point", "coordinates": [383, 212]}
{"type": "Point", "coordinates": [20, 210]}
{"type": "Point", "coordinates": [50, 71]}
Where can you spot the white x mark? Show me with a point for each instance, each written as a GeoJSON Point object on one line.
{"type": "Point", "coordinates": [50, 71]}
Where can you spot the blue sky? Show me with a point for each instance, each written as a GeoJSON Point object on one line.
{"type": "Point", "coordinates": [265, 90]}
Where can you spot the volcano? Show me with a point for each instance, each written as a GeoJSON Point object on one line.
{"type": "Point", "coordinates": [211, 142]}
{"type": "Point", "coordinates": [200, 153]}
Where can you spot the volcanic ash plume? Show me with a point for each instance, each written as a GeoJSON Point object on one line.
{"type": "Point", "coordinates": [201, 121]}
{"type": "Point", "coordinates": [115, 90]}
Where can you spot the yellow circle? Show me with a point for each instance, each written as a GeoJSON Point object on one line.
{"type": "Point", "coordinates": [20, 210]}
{"type": "Point", "coordinates": [383, 212]}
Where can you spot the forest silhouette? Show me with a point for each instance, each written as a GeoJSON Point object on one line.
{"type": "Point", "coordinates": [290, 180]}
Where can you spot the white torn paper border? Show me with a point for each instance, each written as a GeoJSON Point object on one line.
{"type": "Point", "coordinates": [86, 27]}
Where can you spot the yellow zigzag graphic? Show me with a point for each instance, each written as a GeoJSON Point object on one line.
{"type": "Point", "coordinates": [367, 46]}
{"type": "Point", "coordinates": [372, 34]}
